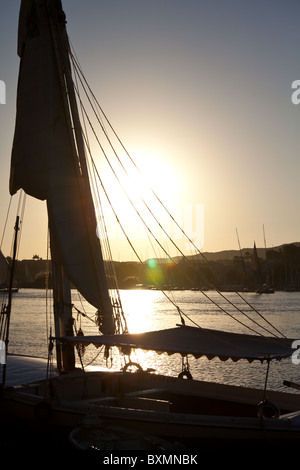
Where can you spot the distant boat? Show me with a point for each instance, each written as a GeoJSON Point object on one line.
{"type": "Point", "coordinates": [266, 288]}
{"type": "Point", "coordinates": [49, 161]}
{"type": "Point", "coordinates": [14, 290]}
{"type": "Point", "coordinates": [263, 288]}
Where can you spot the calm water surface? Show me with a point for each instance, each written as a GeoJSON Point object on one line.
{"type": "Point", "coordinates": [149, 310]}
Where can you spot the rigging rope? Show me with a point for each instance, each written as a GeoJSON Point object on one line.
{"type": "Point", "coordinates": [119, 317]}
{"type": "Point", "coordinates": [87, 89]}
{"type": "Point", "coordinates": [6, 221]}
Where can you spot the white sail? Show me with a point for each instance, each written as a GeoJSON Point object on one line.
{"type": "Point", "coordinates": [44, 159]}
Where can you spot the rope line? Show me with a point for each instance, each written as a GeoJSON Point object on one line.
{"type": "Point", "coordinates": [86, 87]}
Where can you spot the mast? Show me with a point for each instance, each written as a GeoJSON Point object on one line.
{"type": "Point", "coordinates": [49, 162]}
{"type": "Point", "coordinates": [61, 284]}
{"type": "Point", "coordinates": [267, 261]}
{"type": "Point", "coordinates": [62, 301]}
{"type": "Point", "coordinates": [63, 320]}
{"type": "Point", "coordinates": [62, 48]}
{"type": "Point", "coordinates": [256, 267]}
{"type": "Point", "coordinates": [6, 309]}
{"type": "Point", "coordinates": [242, 258]}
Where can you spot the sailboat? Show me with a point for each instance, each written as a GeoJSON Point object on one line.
{"type": "Point", "coordinates": [105, 408]}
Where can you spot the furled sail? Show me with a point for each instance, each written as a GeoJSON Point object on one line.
{"type": "Point", "coordinates": [45, 160]}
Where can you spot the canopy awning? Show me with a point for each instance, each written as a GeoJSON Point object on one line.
{"type": "Point", "coordinates": [197, 342]}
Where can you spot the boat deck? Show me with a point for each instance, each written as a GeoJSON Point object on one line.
{"type": "Point", "coordinates": [23, 369]}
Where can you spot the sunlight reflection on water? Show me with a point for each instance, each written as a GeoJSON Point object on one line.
{"type": "Point", "coordinates": [150, 310]}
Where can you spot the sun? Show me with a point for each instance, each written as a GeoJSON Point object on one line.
{"type": "Point", "coordinates": [156, 176]}
{"type": "Point", "coordinates": [137, 200]}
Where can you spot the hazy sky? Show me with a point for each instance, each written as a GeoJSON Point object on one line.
{"type": "Point", "coordinates": [200, 93]}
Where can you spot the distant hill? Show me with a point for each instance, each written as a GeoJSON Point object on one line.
{"type": "Point", "coordinates": [284, 270]}
{"type": "Point", "coordinates": [227, 255]}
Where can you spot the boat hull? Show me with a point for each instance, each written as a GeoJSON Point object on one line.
{"type": "Point", "coordinates": [189, 431]}
{"type": "Point", "coordinates": [190, 413]}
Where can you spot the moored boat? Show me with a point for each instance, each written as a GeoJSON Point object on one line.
{"type": "Point", "coordinates": [142, 404]}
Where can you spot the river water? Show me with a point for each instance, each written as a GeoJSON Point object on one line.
{"type": "Point", "coordinates": [31, 320]}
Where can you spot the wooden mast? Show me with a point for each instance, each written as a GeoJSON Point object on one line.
{"type": "Point", "coordinates": [61, 286]}
{"type": "Point", "coordinates": [6, 310]}
{"type": "Point", "coordinates": [63, 320]}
